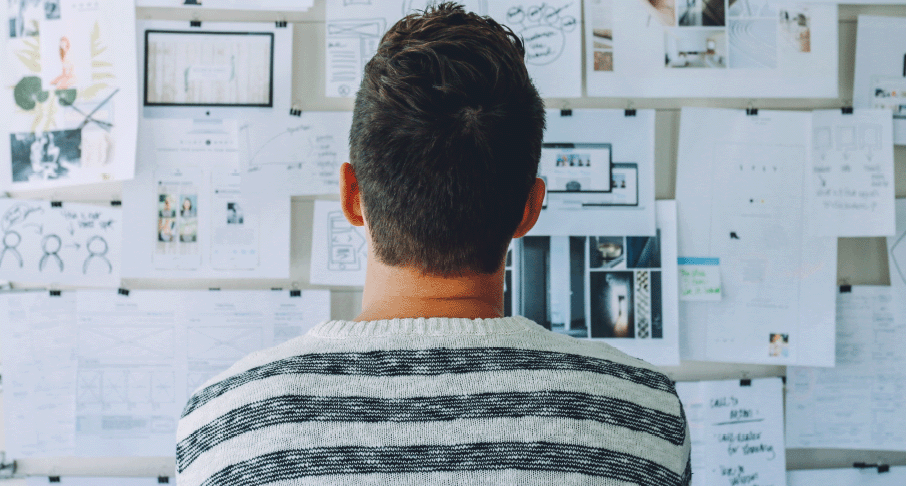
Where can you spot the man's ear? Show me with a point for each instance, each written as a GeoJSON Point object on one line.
{"type": "Point", "coordinates": [532, 208]}
{"type": "Point", "coordinates": [350, 197]}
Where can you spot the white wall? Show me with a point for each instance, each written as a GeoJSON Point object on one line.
{"type": "Point", "coordinates": [860, 260]}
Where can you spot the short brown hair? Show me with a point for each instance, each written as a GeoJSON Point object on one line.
{"type": "Point", "coordinates": [445, 141]}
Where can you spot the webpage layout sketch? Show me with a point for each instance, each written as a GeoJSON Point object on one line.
{"type": "Point", "coordinates": [354, 29]}
{"type": "Point", "coordinates": [896, 249]}
{"type": "Point", "coordinates": [269, 5]}
{"type": "Point", "coordinates": [60, 243]}
{"type": "Point", "coordinates": [294, 155]}
{"type": "Point", "coordinates": [741, 194]}
{"type": "Point", "coordinates": [706, 48]}
{"type": "Point", "coordinates": [598, 168]}
{"type": "Point", "coordinates": [620, 289]}
{"type": "Point", "coordinates": [860, 403]}
{"type": "Point", "coordinates": [215, 71]}
{"type": "Point", "coordinates": [339, 250]}
{"type": "Point", "coordinates": [69, 99]}
{"type": "Point", "coordinates": [880, 75]}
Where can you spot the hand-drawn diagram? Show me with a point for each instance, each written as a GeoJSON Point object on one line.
{"type": "Point", "coordinates": [125, 343]}
{"type": "Point", "coordinates": [350, 44]}
{"type": "Point", "coordinates": [223, 343]}
{"type": "Point", "coordinates": [346, 245]}
{"type": "Point", "coordinates": [60, 243]}
{"type": "Point", "coordinates": [543, 28]}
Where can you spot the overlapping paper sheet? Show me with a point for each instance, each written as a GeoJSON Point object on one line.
{"type": "Point", "coordinates": [741, 193]}
{"type": "Point", "coordinates": [861, 402]}
{"type": "Point", "coordinates": [880, 78]}
{"type": "Point", "coordinates": [736, 431]}
{"type": "Point", "coordinates": [187, 214]}
{"type": "Point", "coordinates": [550, 31]}
{"type": "Point", "coordinates": [98, 373]}
{"type": "Point", "coordinates": [621, 290]}
{"type": "Point", "coordinates": [70, 94]}
{"type": "Point", "coordinates": [60, 243]}
{"type": "Point", "coordinates": [598, 166]}
{"type": "Point", "coordinates": [895, 476]}
{"type": "Point", "coordinates": [751, 48]}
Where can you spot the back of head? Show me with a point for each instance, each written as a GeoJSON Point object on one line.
{"type": "Point", "coordinates": [445, 141]}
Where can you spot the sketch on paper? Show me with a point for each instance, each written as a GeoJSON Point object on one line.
{"type": "Point", "coordinates": [350, 45]}
{"type": "Point", "coordinates": [346, 245]}
{"type": "Point", "coordinates": [223, 343]}
{"type": "Point", "coordinates": [543, 28]}
{"type": "Point", "coordinates": [339, 250]}
{"type": "Point", "coordinates": [134, 342]}
{"type": "Point", "coordinates": [71, 243]}
{"type": "Point", "coordinates": [130, 387]}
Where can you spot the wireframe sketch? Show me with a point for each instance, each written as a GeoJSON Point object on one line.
{"type": "Point", "coordinates": [543, 28]}
{"type": "Point", "coordinates": [753, 43]}
{"type": "Point", "coordinates": [350, 44]}
{"type": "Point", "coordinates": [898, 259]}
{"type": "Point", "coordinates": [99, 387]}
{"type": "Point", "coordinates": [700, 13]}
{"type": "Point", "coordinates": [138, 342]}
{"type": "Point", "coordinates": [223, 343]}
{"type": "Point", "coordinates": [209, 68]}
{"type": "Point", "coordinates": [695, 48]}
{"type": "Point", "coordinates": [43, 156]}
{"type": "Point", "coordinates": [346, 246]}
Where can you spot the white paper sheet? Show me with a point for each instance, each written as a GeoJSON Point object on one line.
{"type": "Point", "coordinates": [740, 190]}
{"type": "Point", "coordinates": [353, 31]}
{"type": "Point", "coordinates": [73, 119]}
{"type": "Point", "coordinates": [39, 372]}
{"type": "Point", "coordinates": [628, 208]}
{"type": "Point", "coordinates": [736, 431]}
{"type": "Point", "coordinates": [217, 70]}
{"type": "Point", "coordinates": [294, 155]}
{"type": "Point", "coordinates": [896, 476]}
{"type": "Point", "coordinates": [896, 249]}
{"type": "Point", "coordinates": [620, 290]}
{"type": "Point", "coordinates": [699, 49]}
{"type": "Point", "coordinates": [552, 34]}
{"type": "Point", "coordinates": [860, 403]}
{"type": "Point", "coordinates": [852, 181]}
{"type": "Point", "coordinates": [97, 373]}
{"type": "Point", "coordinates": [186, 215]}
{"type": "Point", "coordinates": [272, 5]}
{"type": "Point", "coordinates": [72, 244]}
{"type": "Point", "coordinates": [880, 79]}
{"type": "Point", "coordinates": [87, 481]}
{"type": "Point", "coordinates": [339, 251]}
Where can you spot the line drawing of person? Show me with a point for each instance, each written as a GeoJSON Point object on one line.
{"type": "Point", "coordinates": [67, 78]}
{"type": "Point", "coordinates": [51, 244]}
{"type": "Point", "coordinates": [97, 248]}
{"type": "Point", "coordinates": [11, 240]}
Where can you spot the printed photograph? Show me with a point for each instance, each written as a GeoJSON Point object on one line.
{"type": "Point", "coordinates": [45, 156]}
{"type": "Point", "coordinates": [606, 252]}
{"type": "Point", "coordinates": [166, 230]}
{"type": "Point", "coordinates": [51, 9]}
{"type": "Point", "coordinates": [553, 279]}
{"type": "Point", "coordinates": [665, 11]}
{"type": "Point", "coordinates": [695, 48]}
{"type": "Point", "coordinates": [779, 346]}
{"type": "Point", "coordinates": [187, 208]}
{"type": "Point", "coordinates": [25, 16]}
{"type": "Point", "coordinates": [166, 205]}
{"type": "Point", "coordinates": [752, 8]}
{"type": "Point", "coordinates": [643, 251]}
{"type": "Point", "coordinates": [753, 43]}
{"type": "Point", "coordinates": [795, 29]}
{"type": "Point", "coordinates": [188, 230]}
{"type": "Point", "coordinates": [234, 213]}
{"type": "Point", "coordinates": [188, 217]}
{"type": "Point", "coordinates": [612, 305]}
{"type": "Point", "coordinates": [700, 13]}
{"type": "Point", "coordinates": [601, 13]}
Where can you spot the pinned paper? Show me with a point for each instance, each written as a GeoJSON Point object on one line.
{"type": "Point", "coordinates": [699, 279]}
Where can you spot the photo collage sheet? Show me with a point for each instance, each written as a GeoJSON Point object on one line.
{"type": "Point", "coordinates": [70, 71]}
{"type": "Point", "coordinates": [710, 48]}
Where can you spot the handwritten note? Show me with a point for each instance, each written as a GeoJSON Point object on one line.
{"type": "Point", "coordinates": [699, 279]}
{"type": "Point", "coordinates": [852, 173]}
{"type": "Point", "coordinates": [736, 431]}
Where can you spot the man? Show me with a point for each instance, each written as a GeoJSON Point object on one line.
{"type": "Point", "coordinates": [430, 384]}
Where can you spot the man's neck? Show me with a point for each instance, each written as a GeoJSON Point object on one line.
{"type": "Point", "coordinates": [395, 292]}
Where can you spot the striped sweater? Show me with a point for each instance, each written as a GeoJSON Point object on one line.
{"type": "Point", "coordinates": [435, 401]}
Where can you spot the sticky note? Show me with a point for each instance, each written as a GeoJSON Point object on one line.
{"type": "Point", "coordinates": [699, 279]}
